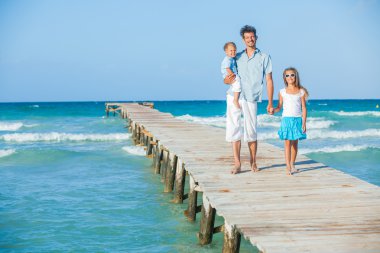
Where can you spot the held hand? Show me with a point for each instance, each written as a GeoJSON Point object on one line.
{"type": "Point", "coordinates": [270, 110]}
{"type": "Point", "coordinates": [229, 79]}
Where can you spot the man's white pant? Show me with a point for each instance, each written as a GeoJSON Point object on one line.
{"type": "Point", "coordinates": [233, 121]}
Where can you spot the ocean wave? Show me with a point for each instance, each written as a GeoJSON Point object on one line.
{"type": "Point", "coordinates": [6, 152]}
{"type": "Point", "coordinates": [336, 149]}
{"type": "Point", "coordinates": [343, 134]}
{"type": "Point", "coordinates": [7, 126]}
{"type": "Point", "coordinates": [323, 134]}
{"type": "Point", "coordinates": [362, 113]}
{"type": "Point", "coordinates": [217, 121]}
{"type": "Point", "coordinates": [319, 123]}
{"type": "Point", "coordinates": [58, 137]}
{"type": "Point", "coordinates": [14, 126]}
{"type": "Point", "coordinates": [140, 151]}
{"type": "Point", "coordinates": [263, 120]}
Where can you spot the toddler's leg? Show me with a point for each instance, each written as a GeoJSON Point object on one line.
{"type": "Point", "coordinates": [236, 99]}
{"type": "Point", "coordinates": [236, 89]}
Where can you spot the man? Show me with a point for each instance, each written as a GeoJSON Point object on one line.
{"type": "Point", "coordinates": [254, 69]}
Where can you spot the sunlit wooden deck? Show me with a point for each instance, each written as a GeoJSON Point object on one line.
{"type": "Point", "coordinates": [319, 209]}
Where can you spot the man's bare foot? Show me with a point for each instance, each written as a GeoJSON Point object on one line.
{"type": "Point", "coordinates": [236, 169]}
{"type": "Point", "coordinates": [236, 103]}
{"type": "Point", "coordinates": [254, 167]}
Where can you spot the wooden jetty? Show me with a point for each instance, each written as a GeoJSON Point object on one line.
{"type": "Point", "coordinates": [319, 209]}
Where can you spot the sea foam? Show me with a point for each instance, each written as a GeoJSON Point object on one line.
{"type": "Point", "coordinates": [140, 151]}
{"type": "Point", "coordinates": [6, 152]}
{"type": "Point", "coordinates": [323, 134]}
{"type": "Point", "coordinates": [217, 121]}
{"type": "Point", "coordinates": [7, 126]}
{"type": "Point", "coordinates": [58, 137]}
{"type": "Point", "coordinates": [336, 149]}
{"type": "Point", "coordinates": [362, 113]}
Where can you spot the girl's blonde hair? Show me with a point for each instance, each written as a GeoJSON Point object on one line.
{"type": "Point", "coordinates": [298, 81]}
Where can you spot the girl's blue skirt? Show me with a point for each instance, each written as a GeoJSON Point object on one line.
{"type": "Point", "coordinates": [291, 129]}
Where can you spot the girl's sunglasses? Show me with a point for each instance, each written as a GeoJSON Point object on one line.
{"type": "Point", "coordinates": [292, 75]}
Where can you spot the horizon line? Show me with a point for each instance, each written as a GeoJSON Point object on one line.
{"type": "Point", "coordinates": [147, 100]}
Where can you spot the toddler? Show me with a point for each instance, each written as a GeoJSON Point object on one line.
{"type": "Point", "coordinates": [229, 67]}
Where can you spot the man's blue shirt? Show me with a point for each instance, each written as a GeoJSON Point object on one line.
{"type": "Point", "coordinates": [252, 72]}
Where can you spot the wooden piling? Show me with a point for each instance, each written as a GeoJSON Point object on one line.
{"type": "Point", "coordinates": [164, 164]}
{"type": "Point", "coordinates": [192, 205]}
{"type": "Point", "coordinates": [170, 173]}
{"type": "Point", "coordinates": [232, 238]}
{"type": "Point", "coordinates": [157, 159]}
{"type": "Point", "coordinates": [206, 230]}
{"type": "Point", "coordinates": [138, 135]}
{"type": "Point", "coordinates": [180, 178]}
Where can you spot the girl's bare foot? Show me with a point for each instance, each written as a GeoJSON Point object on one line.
{"type": "Point", "coordinates": [294, 170]}
{"type": "Point", "coordinates": [236, 103]}
{"type": "Point", "coordinates": [288, 171]}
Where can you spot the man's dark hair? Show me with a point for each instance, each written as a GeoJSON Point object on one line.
{"type": "Point", "coordinates": [247, 29]}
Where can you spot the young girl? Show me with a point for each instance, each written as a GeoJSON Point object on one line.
{"type": "Point", "coordinates": [293, 124]}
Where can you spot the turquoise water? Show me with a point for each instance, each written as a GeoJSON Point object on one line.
{"type": "Point", "coordinates": [71, 180]}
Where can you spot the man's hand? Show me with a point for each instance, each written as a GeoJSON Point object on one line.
{"type": "Point", "coordinates": [229, 79]}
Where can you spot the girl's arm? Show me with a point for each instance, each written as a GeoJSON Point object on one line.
{"type": "Point", "coordinates": [304, 112]}
{"type": "Point", "coordinates": [279, 105]}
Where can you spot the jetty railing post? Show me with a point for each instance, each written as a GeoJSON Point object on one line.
{"type": "Point", "coordinates": [232, 238]}
{"type": "Point", "coordinates": [191, 211]}
{"type": "Point", "coordinates": [180, 177]}
{"type": "Point", "coordinates": [206, 230]}
{"type": "Point", "coordinates": [170, 173]}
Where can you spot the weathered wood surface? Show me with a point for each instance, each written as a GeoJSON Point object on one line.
{"type": "Point", "coordinates": [319, 209]}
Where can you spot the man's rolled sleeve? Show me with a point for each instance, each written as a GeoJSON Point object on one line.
{"type": "Point", "coordinates": [267, 65]}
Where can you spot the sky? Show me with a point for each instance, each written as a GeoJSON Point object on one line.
{"type": "Point", "coordinates": [121, 50]}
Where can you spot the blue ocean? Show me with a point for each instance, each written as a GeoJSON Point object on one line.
{"type": "Point", "coordinates": [72, 181]}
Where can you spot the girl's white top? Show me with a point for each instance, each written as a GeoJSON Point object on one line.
{"type": "Point", "coordinates": [291, 103]}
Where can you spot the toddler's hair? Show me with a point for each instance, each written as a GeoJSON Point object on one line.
{"type": "Point", "coordinates": [229, 43]}
{"type": "Point", "coordinates": [248, 29]}
{"type": "Point", "coordinates": [298, 81]}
